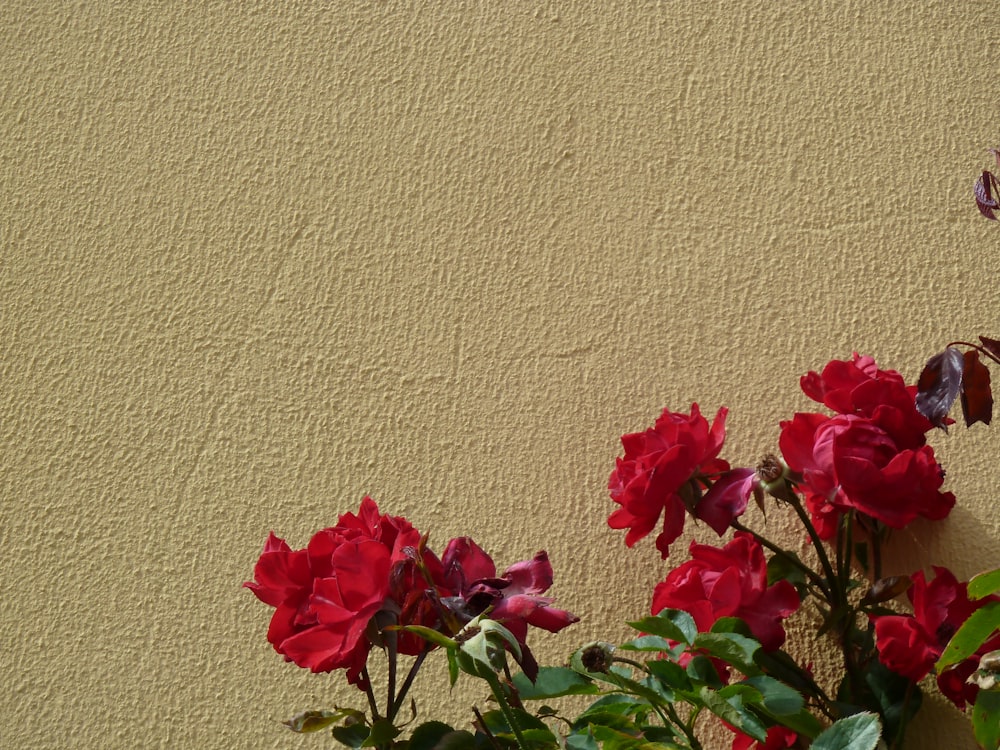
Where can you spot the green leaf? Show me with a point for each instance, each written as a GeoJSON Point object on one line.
{"type": "Point", "coordinates": [670, 673]}
{"type": "Point", "coordinates": [986, 719]}
{"type": "Point", "coordinates": [460, 739]}
{"type": "Point", "coordinates": [612, 704]}
{"type": "Point", "coordinates": [973, 633]}
{"type": "Point", "coordinates": [605, 718]}
{"type": "Point", "coordinates": [612, 739]}
{"type": "Point", "coordinates": [453, 668]}
{"type": "Point", "coordinates": [783, 568]}
{"type": "Point", "coordinates": [428, 735]}
{"type": "Point", "coordinates": [701, 669]}
{"type": "Point", "coordinates": [647, 643]}
{"type": "Point", "coordinates": [542, 737]}
{"type": "Point", "coordinates": [778, 698]}
{"type": "Point", "coordinates": [984, 584]}
{"type": "Point", "coordinates": [732, 648]}
{"type": "Point", "coordinates": [858, 732]}
{"type": "Point", "coordinates": [313, 721]}
{"type": "Point", "coordinates": [383, 732]}
{"type": "Point", "coordinates": [630, 686]}
{"type": "Point", "coordinates": [582, 741]}
{"type": "Point", "coordinates": [802, 723]}
{"type": "Point", "coordinates": [553, 682]}
{"type": "Point", "coordinates": [782, 666]}
{"type": "Point", "coordinates": [732, 712]}
{"type": "Point", "coordinates": [731, 625]}
{"type": "Point", "coordinates": [675, 624]}
{"type": "Point", "coordinates": [351, 735]}
{"type": "Point", "coordinates": [497, 722]}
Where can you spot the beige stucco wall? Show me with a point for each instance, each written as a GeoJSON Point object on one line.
{"type": "Point", "coordinates": [259, 261]}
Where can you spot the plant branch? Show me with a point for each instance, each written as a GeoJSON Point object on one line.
{"type": "Point", "coordinates": [371, 696]}
{"type": "Point", "coordinates": [405, 687]}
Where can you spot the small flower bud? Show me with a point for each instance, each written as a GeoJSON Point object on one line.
{"type": "Point", "coordinates": [597, 656]}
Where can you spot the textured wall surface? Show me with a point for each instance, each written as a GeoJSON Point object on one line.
{"type": "Point", "coordinates": [260, 261]}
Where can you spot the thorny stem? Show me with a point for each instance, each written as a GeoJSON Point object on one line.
{"type": "Point", "coordinates": [902, 725]}
{"type": "Point", "coordinates": [393, 653]}
{"type": "Point", "coordinates": [820, 552]}
{"type": "Point", "coordinates": [688, 731]}
{"type": "Point", "coordinates": [845, 549]}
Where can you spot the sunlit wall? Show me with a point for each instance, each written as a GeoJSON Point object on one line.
{"type": "Point", "coordinates": [257, 262]}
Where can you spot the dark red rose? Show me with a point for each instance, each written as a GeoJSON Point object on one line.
{"type": "Point", "coordinates": [910, 644]}
{"type": "Point", "coordinates": [515, 597]}
{"type": "Point", "coordinates": [729, 582]}
{"type": "Point", "coordinates": [325, 595]}
{"type": "Point", "coordinates": [851, 462]}
{"type": "Point", "coordinates": [661, 468]}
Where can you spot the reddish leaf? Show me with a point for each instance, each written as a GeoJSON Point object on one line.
{"type": "Point", "coordinates": [885, 589]}
{"type": "Point", "coordinates": [977, 398]}
{"type": "Point", "coordinates": [991, 345]}
{"type": "Point", "coordinates": [984, 189]}
{"type": "Point", "coordinates": [939, 385]}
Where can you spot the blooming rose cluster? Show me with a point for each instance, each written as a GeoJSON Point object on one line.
{"type": "Point", "coordinates": [871, 456]}
{"type": "Point", "coordinates": [333, 598]}
{"type": "Point", "coordinates": [910, 644]}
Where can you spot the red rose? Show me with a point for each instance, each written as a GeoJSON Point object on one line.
{"type": "Point", "coordinates": [910, 644]}
{"type": "Point", "coordinates": [851, 462]}
{"type": "Point", "coordinates": [661, 466]}
{"type": "Point", "coordinates": [325, 595]}
{"type": "Point", "coordinates": [859, 387]}
{"type": "Point", "coordinates": [729, 582]}
{"type": "Point", "coordinates": [778, 738]}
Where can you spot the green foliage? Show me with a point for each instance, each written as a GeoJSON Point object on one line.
{"type": "Point", "coordinates": [553, 682]}
{"type": "Point", "coordinates": [984, 584]}
{"type": "Point", "coordinates": [973, 633]}
{"type": "Point", "coordinates": [859, 732]}
{"type": "Point", "coordinates": [986, 719]}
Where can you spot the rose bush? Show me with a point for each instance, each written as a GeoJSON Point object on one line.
{"type": "Point", "coordinates": [714, 640]}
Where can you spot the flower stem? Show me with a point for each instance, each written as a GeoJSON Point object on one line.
{"type": "Point", "coordinates": [824, 559]}
{"type": "Point", "coordinates": [371, 696]}
{"type": "Point", "coordinates": [505, 708]}
{"type": "Point", "coordinates": [404, 689]}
